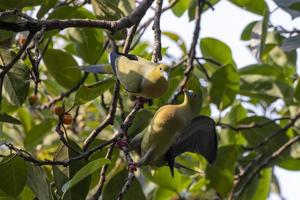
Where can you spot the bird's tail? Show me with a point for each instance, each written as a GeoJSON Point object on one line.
{"type": "Point", "coordinates": [98, 69]}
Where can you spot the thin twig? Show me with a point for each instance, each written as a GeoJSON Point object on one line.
{"type": "Point", "coordinates": [156, 54]}
{"type": "Point", "coordinates": [53, 24]}
{"type": "Point", "coordinates": [192, 52]}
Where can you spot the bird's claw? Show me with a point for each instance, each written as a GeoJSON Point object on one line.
{"type": "Point", "coordinates": [122, 143]}
{"type": "Point", "coordinates": [132, 167]}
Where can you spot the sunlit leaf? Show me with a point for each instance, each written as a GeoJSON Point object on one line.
{"type": "Point", "coordinates": [63, 67]}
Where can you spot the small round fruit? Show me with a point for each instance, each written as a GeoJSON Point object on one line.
{"type": "Point", "coordinates": [59, 110]}
{"type": "Point", "coordinates": [32, 99]}
{"type": "Point", "coordinates": [67, 119]}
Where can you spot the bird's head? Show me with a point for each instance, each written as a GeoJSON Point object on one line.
{"type": "Point", "coordinates": [164, 70]}
{"type": "Point", "coordinates": [194, 100]}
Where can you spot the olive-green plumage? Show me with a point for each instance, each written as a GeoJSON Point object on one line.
{"type": "Point", "coordinates": [138, 75]}
{"type": "Point", "coordinates": [175, 129]}
{"type": "Point", "coordinates": [141, 77]}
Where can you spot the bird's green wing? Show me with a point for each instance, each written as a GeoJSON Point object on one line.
{"type": "Point", "coordinates": [135, 143]}
{"type": "Point", "coordinates": [198, 137]}
{"type": "Point", "coordinates": [130, 73]}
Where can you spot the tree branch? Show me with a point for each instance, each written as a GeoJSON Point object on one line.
{"type": "Point", "coordinates": [156, 55]}
{"type": "Point", "coordinates": [36, 25]}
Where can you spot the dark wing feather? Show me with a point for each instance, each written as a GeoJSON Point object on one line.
{"type": "Point", "coordinates": [199, 137]}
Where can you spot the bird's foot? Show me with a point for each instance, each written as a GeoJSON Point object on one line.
{"type": "Point", "coordinates": [132, 167]}
{"type": "Point", "coordinates": [121, 144]}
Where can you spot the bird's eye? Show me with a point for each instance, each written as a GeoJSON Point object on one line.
{"type": "Point", "coordinates": [194, 95]}
{"type": "Point", "coordinates": [160, 69]}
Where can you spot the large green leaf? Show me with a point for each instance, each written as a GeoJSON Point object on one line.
{"type": "Point", "coordinates": [246, 34]}
{"type": "Point", "coordinates": [257, 6]}
{"type": "Point", "coordinates": [8, 119]}
{"type": "Point", "coordinates": [13, 175]}
{"type": "Point", "coordinates": [265, 88]}
{"type": "Point", "coordinates": [88, 43]}
{"type": "Point", "coordinates": [115, 185]}
{"type": "Point", "coordinates": [37, 133]}
{"type": "Point", "coordinates": [45, 7]}
{"type": "Point", "coordinates": [63, 67]}
{"type": "Point", "coordinates": [64, 174]}
{"type": "Point", "coordinates": [37, 181]}
{"type": "Point", "coordinates": [107, 9]}
{"type": "Point", "coordinates": [256, 135]}
{"type": "Point", "coordinates": [162, 176]}
{"type": "Point", "coordinates": [177, 39]}
{"type": "Point", "coordinates": [69, 12]}
{"type": "Point", "coordinates": [84, 172]}
{"type": "Point", "coordinates": [259, 187]}
{"type": "Point", "coordinates": [225, 85]}
{"type": "Point", "coordinates": [258, 36]}
{"type": "Point", "coordinates": [221, 173]}
{"type": "Point", "coordinates": [261, 69]}
{"type": "Point", "coordinates": [19, 4]}
{"type": "Point", "coordinates": [87, 93]}
{"type": "Point", "coordinates": [140, 122]}
{"type": "Point", "coordinates": [180, 7]}
{"type": "Point", "coordinates": [216, 50]}
{"type": "Point", "coordinates": [16, 81]}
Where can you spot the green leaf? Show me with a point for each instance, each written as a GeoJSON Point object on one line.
{"type": "Point", "coordinates": [265, 88]}
{"type": "Point", "coordinates": [126, 6]}
{"type": "Point", "coordinates": [261, 69]}
{"type": "Point", "coordinates": [18, 4]}
{"type": "Point", "coordinates": [45, 7]}
{"type": "Point", "coordinates": [216, 50]}
{"type": "Point", "coordinates": [37, 181]}
{"type": "Point", "coordinates": [225, 85]}
{"type": "Point", "coordinates": [295, 6]}
{"type": "Point", "coordinates": [63, 67]}
{"type": "Point", "coordinates": [163, 193]}
{"type": "Point", "coordinates": [221, 173]}
{"type": "Point", "coordinates": [162, 176]}
{"type": "Point", "coordinates": [254, 136]}
{"type": "Point", "coordinates": [26, 118]}
{"type": "Point", "coordinates": [258, 36]}
{"type": "Point", "coordinates": [107, 9]}
{"type": "Point", "coordinates": [63, 174]}
{"type": "Point", "coordinates": [140, 121]}
{"type": "Point", "coordinates": [84, 172]}
{"type": "Point", "coordinates": [246, 34]}
{"type": "Point", "coordinates": [37, 133]}
{"type": "Point", "coordinates": [16, 81]}
{"type": "Point", "coordinates": [88, 43]}
{"type": "Point", "coordinates": [177, 39]}
{"type": "Point", "coordinates": [69, 12]}
{"type": "Point", "coordinates": [259, 187]}
{"type": "Point", "coordinates": [297, 91]}
{"type": "Point", "coordinates": [8, 119]}
{"type": "Point", "coordinates": [87, 93]}
{"type": "Point", "coordinates": [180, 7]}
{"type": "Point", "coordinates": [13, 175]}
{"type": "Point", "coordinates": [116, 183]}
{"type": "Point", "coordinates": [257, 6]}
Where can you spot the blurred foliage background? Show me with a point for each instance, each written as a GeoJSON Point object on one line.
{"type": "Point", "coordinates": [255, 134]}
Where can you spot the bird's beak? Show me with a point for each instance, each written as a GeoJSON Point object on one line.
{"type": "Point", "coordinates": [188, 92]}
{"type": "Point", "coordinates": [165, 74]}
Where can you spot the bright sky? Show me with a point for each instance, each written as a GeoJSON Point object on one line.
{"type": "Point", "coordinates": [226, 24]}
